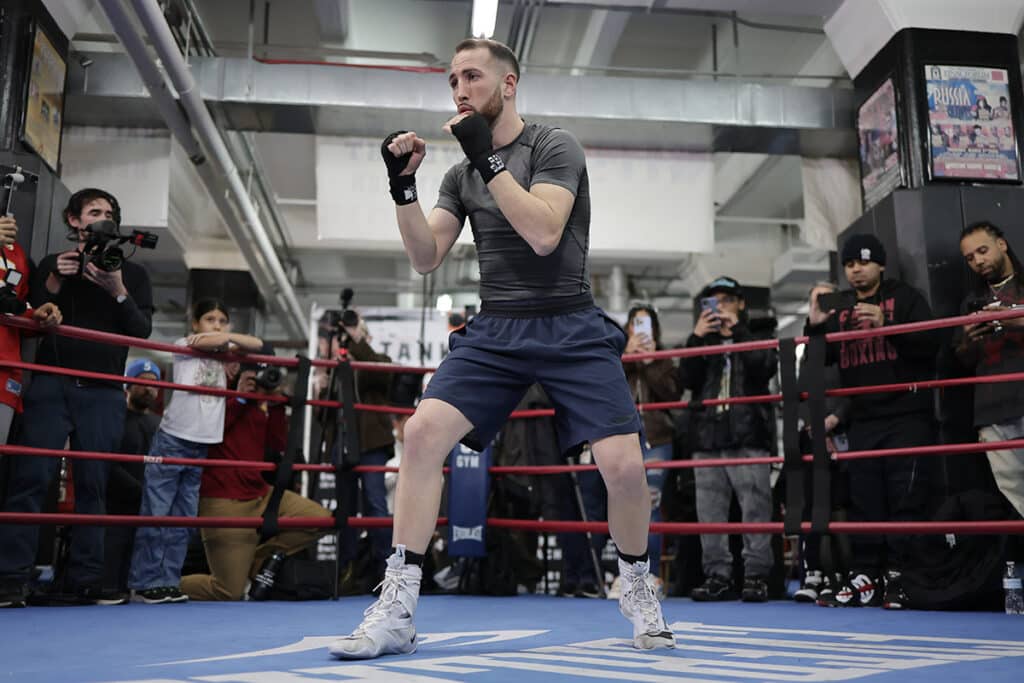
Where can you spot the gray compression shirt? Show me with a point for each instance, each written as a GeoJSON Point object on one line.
{"type": "Point", "coordinates": [509, 268]}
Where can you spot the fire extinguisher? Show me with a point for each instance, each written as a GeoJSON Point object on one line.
{"type": "Point", "coordinates": [66, 493]}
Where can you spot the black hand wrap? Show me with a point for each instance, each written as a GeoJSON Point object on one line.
{"type": "Point", "coordinates": [474, 135]}
{"type": "Point", "coordinates": [403, 187]}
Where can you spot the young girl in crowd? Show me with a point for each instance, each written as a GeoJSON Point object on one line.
{"type": "Point", "coordinates": [190, 423]}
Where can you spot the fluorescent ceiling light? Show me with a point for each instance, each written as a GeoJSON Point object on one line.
{"type": "Point", "coordinates": [485, 14]}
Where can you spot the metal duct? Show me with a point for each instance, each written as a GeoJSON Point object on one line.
{"type": "Point", "coordinates": [603, 111]}
{"type": "Point", "coordinates": [279, 289]}
{"type": "Point", "coordinates": [154, 81]}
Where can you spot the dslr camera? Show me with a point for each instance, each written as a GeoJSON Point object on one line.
{"type": "Point", "coordinates": [347, 317]}
{"type": "Point", "coordinates": [269, 377]}
{"type": "Point", "coordinates": [103, 245]}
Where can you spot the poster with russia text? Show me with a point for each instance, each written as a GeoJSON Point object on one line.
{"type": "Point", "coordinates": [970, 124]}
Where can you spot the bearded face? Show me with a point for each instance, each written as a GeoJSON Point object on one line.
{"type": "Point", "coordinates": [493, 107]}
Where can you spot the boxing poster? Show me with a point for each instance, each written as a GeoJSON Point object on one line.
{"type": "Point", "coordinates": [44, 109]}
{"type": "Point", "coordinates": [878, 137]}
{"type": "Point", "coordinates": [970, 123]}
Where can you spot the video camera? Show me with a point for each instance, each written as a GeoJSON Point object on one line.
{"type": "Point", "coordinates": [103, 245]}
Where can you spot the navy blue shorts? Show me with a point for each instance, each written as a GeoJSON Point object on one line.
{"type": "Point", "coordinates": [576, 358]}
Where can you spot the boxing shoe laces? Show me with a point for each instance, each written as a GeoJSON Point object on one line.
{"type": "Point", "coordinates": [639, 603]}
{"type": "Point", "coordinates": [387, 627]}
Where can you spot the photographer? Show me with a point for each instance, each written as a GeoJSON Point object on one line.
{"type": "Point", "coordinates": [91, 412]}
{"type": "Point", "coordinates": [994, 348]}
{"type": "Point", "coordinates": [15, 269]}
{"type": "Point", "coordinates": [376, 447]}
{"type": "Point", "coordinates": [251, 430]}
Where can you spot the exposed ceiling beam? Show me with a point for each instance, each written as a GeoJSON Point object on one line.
{"type": "Point", "coordinates": [600, 38]}
{"type": "Point", "coordinates": [737, 173]}
{"type": "Point", "coordinates": [615, 112]}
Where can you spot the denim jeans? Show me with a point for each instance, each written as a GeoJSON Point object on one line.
{"type": "Point", "coordinates": [171, 490]}
{"type": "Point", "coordinates": [577, 565]}
{"type": "Point", "coordinates": [93, 416]}
{"type": "Point", "coordinates": [374, 504]}
{"type": "Point", "coordinates": [656, 483]}
{"type": "Point", "coordinates": [715, 487]}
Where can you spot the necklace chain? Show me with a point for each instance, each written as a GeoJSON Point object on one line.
{"type": "Point", "coordinates": [996, 287]}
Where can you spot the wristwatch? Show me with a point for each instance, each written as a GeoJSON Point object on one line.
{"type": "Point", "coordinates": [121, 298]}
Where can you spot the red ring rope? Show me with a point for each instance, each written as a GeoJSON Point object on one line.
{"type": "Point", "coordinates": [549, 526]}
{"type": "Point", "coordinates": [888, 330]}
{"type": "Point", "coordinates": [942, 449]}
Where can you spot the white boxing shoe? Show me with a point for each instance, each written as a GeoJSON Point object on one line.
{"type": "Point", "coordinates": [639, 603]}
{"type": "Point", "coordinates": [387, 627]}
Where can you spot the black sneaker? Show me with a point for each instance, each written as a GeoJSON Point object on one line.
{"type": "Point", "coordinates": [101, 596]}
{"type": "Point", "coordinates": [809, 589]}
{"type": "Point", "coordinates": [755, 589]}
{"type": "Point", "coordinates": [588, 589]}
{"type": "Point", "coordinates": [895, 597]}
{"type": "Point", "coordinates": [858, 590]}
{"type": "Point", "coordinates": [826, 592]}
{"type": "Point", "coordinates": [160, 596]}
{"type": "Point", "coordinates": [13, 596]}
{"type": "Point", "coordinates": [714, 589]}
{"type": "Point", "coordinates": [567, 589]}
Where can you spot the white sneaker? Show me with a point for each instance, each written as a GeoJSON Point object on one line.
{"type": "Point", "coordinates": [387, 627]}
{"type": "Point", "coordinates": [640, 605]}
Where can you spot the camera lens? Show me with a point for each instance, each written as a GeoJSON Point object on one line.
{"type": "Point", "coordinates": [269, 377]}
{"type": "Point", "coordinates": [109, 259]}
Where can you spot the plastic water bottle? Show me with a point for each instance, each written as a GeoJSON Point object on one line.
{"type": "Point", "coordinates": [1012, 588]}
{"type": "Point", "coordinates": [264, 581]}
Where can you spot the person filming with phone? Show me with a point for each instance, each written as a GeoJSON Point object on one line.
{"type": "Point", "coordinates": [730, 431]}
{"type": "Point", "coordinates": [881, 489]}
{"type": "Point", "coordinates": [652, 381]}
{"type": "Point", "coordinates": [992, 348]}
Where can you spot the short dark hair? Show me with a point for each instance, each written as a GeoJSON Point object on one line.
{"type": "Point", "coordinates": [988, 226]}
{"type": "Point", "coordinates": [79, 199]}
{"type": "Point", "coordinates": [499, 51]}
{"type": "Point", "coordinates": [204, 306]}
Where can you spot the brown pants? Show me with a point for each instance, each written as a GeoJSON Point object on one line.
{"type": "Point", "coordinates": [236, 555]}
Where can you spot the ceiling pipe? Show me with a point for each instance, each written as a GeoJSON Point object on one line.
{"type": "Point", "coordinates": [282, 293]}
{"type": "Point", "coordinates": [179, 126]}
{"type": "Point", "coordinates": [153, 80]}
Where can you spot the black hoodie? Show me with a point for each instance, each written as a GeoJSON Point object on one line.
{"type": "Point", "coordinates": [886, 360]}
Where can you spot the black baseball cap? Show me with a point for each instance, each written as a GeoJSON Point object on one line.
{"type": "Point", "coordinates": [724, 284]}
